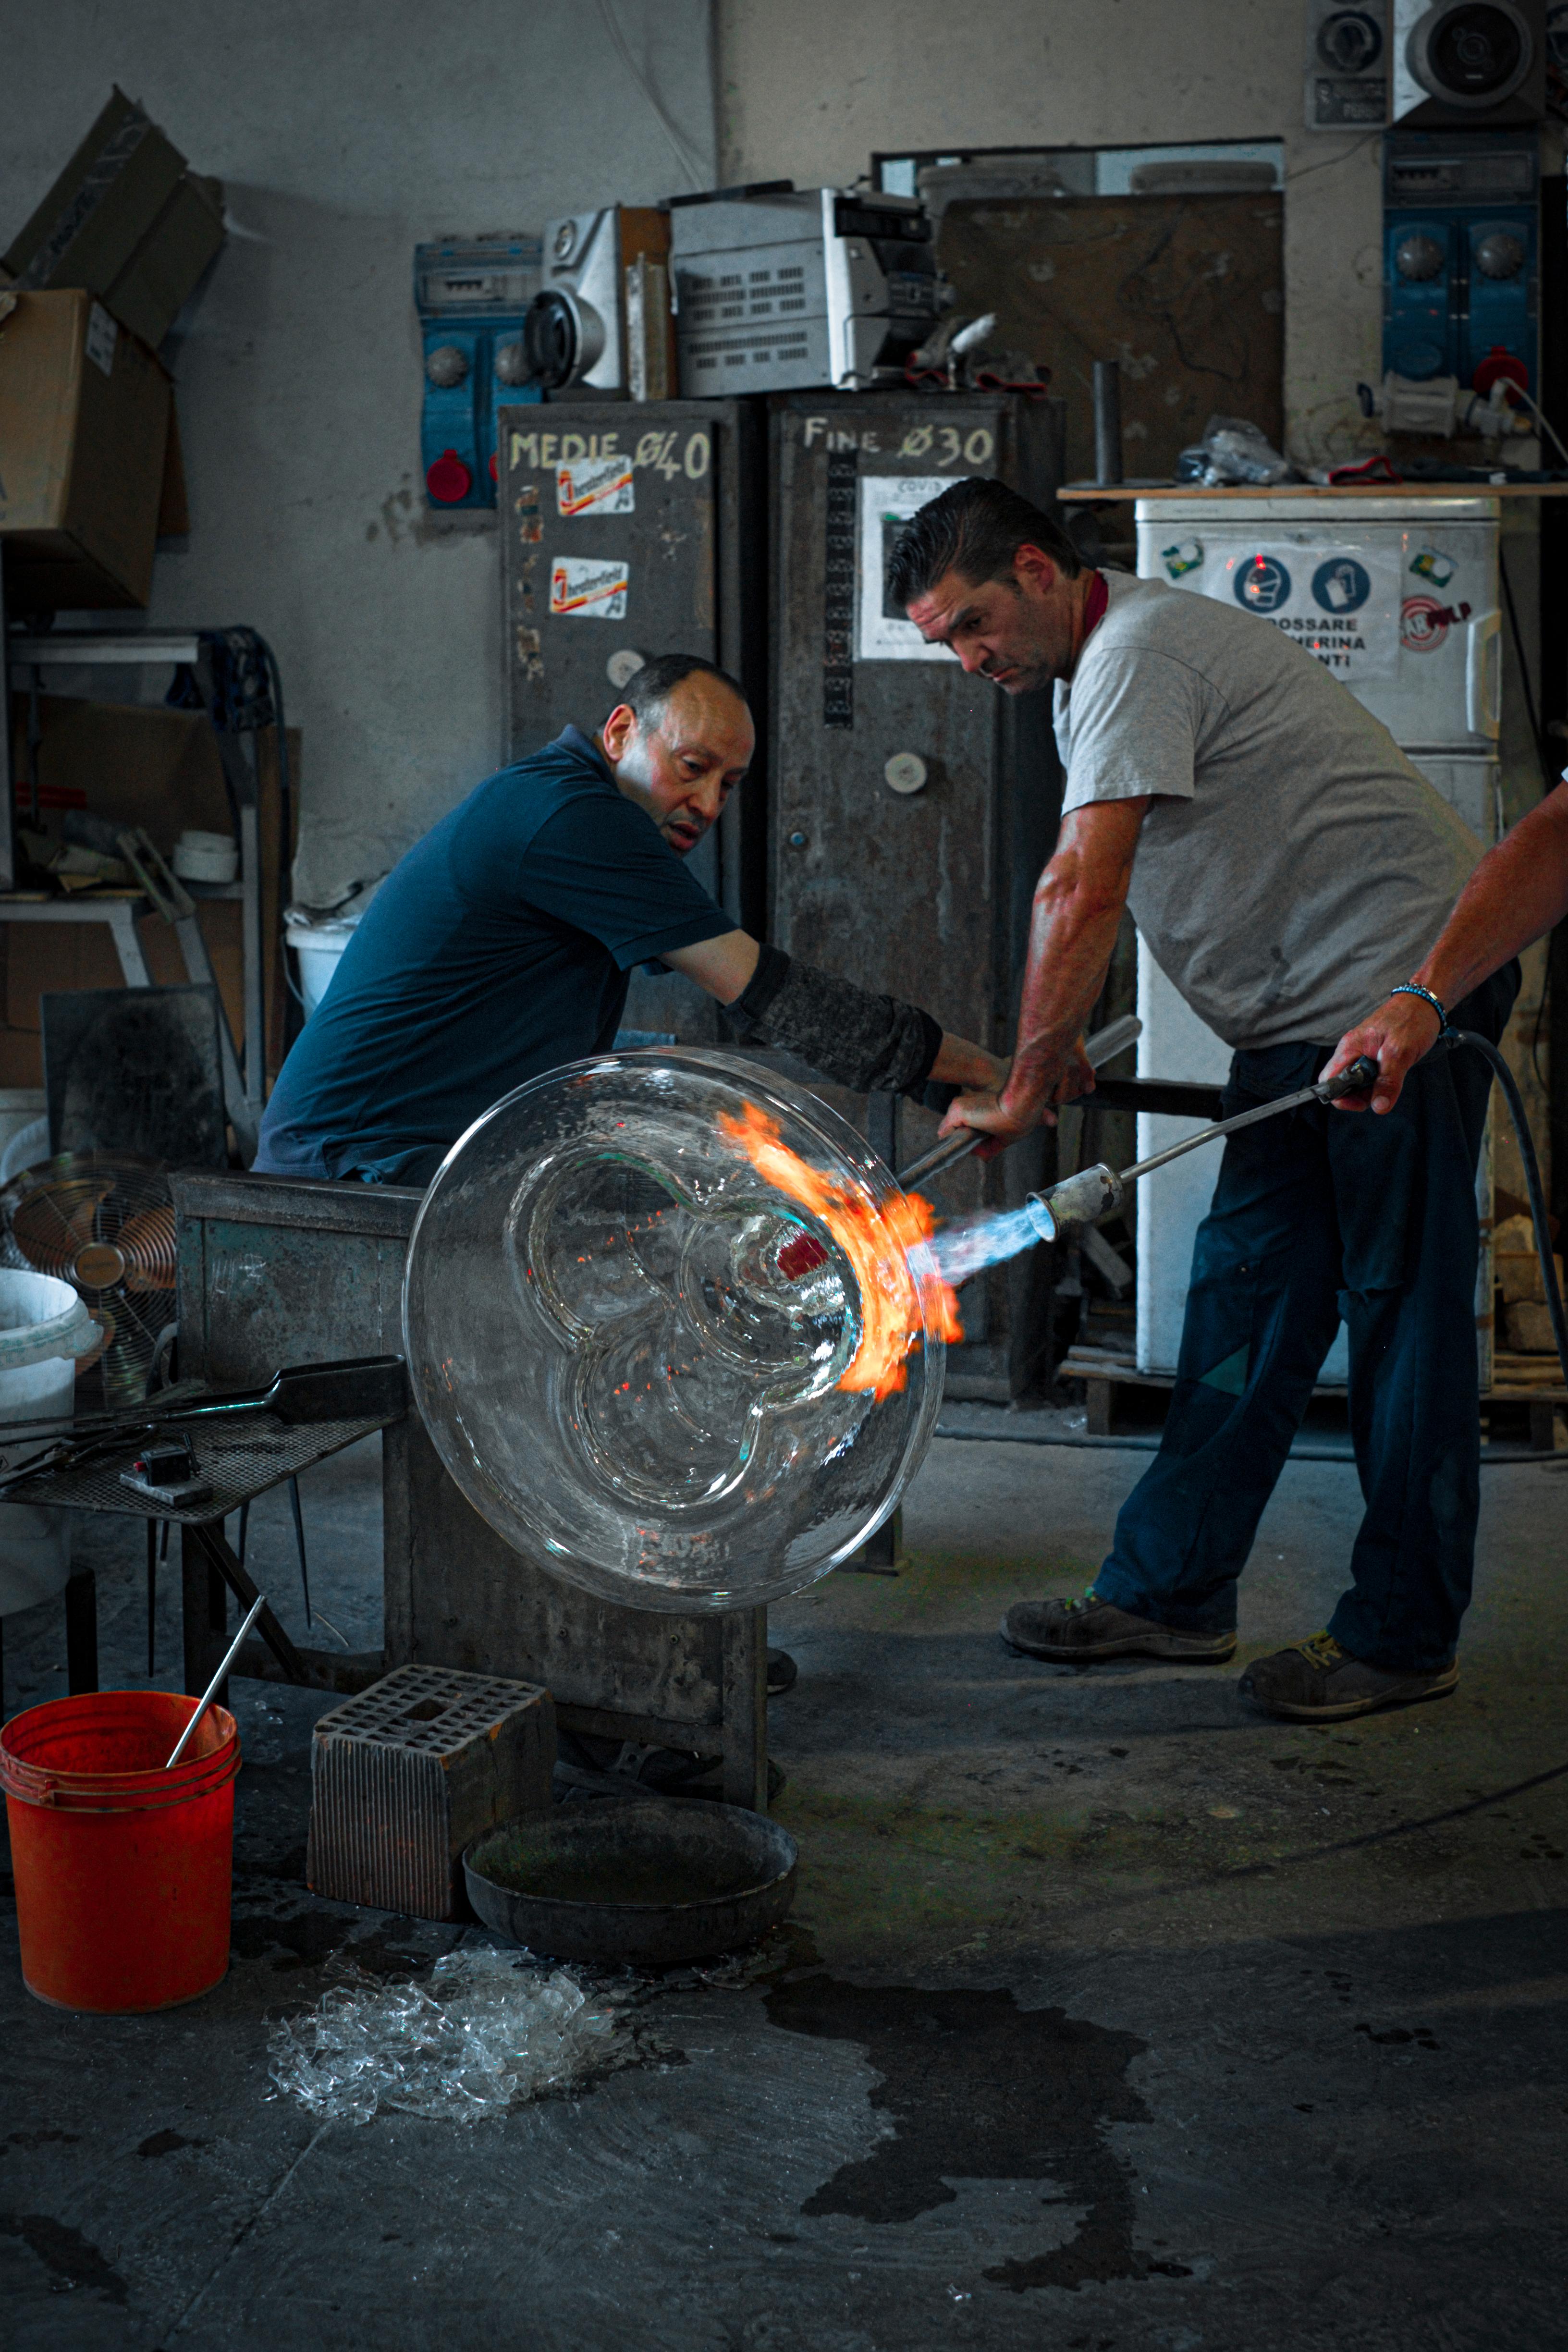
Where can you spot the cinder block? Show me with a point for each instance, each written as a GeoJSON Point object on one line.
{"type": "Point", "coordinates": [407, 1774]}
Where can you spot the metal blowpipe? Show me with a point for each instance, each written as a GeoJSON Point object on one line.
{"type": "Point", "coordinates": [258, 1605]}
{"type": "Point", "coordinates": [1098, 1191]}
{"type": "Point", "coordinates": [1103, 1048]}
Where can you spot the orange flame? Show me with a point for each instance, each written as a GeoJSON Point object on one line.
{"type": "Point", "coordinates": [877, 1243]}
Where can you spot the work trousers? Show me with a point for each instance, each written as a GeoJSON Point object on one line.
{"type": "Point", "coordinates": [1320, 1215]}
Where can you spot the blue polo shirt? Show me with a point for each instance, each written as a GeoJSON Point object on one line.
{"type": "Point", "coordinates": [498, 947]}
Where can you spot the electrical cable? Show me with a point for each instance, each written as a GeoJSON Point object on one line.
{"type": "Point", "coordinates": [1523, 666]}
{"type": "Point", "coordinates": [1517, 391]}
{"type": "Point", "coordinates": [1534, 1186]}
{"type": "Point", "coordinates": [1542, 762]}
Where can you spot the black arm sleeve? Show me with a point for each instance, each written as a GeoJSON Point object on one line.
{"type": "Point", "coordinates": [874, 1043]}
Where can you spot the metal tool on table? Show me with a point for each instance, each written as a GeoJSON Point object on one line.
{"type": "Point", "coordinates": [166, 1471]}
{"type": "Point", "coordinates": [353, 1390]}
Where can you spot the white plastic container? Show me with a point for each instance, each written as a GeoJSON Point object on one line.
{"type": "Point", "coordinates": [317, 948]}
{"type": "Point", "coordinates": [206, 857]}
{"type": "Point", "coordinates": [44, 1327]}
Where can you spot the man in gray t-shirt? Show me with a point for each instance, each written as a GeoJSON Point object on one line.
{"type": "Point", "coordinates": [1287, 867]}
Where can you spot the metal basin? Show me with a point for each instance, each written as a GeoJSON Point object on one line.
{"type": "Point", "coordinates": [640, 1880]}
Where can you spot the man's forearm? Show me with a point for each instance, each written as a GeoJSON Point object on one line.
{"type": "Point", "coordinates": [1071, 940]}
{"type": "Point", "coordinates": [1517, 893]}
{"type": "Point", "coordinates": [960, 1064]}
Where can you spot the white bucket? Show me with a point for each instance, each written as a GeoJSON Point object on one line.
{"type": "Point", "coordinates": [44, 1326]}
{"type": "Point", "coordinates": [317, 947]}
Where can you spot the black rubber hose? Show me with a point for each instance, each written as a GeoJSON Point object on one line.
{"type": "Point", "coordinates": [1534, 1186]}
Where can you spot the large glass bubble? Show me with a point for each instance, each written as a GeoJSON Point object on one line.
{"type": "Point", "coordinates": [669, 1327]}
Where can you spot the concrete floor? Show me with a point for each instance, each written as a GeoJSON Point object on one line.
{"type": "Point", "coordinates": [1112, 2016]}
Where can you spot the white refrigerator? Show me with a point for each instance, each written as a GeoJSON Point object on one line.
{"type": "Point", "coordinates": [1399, 598]}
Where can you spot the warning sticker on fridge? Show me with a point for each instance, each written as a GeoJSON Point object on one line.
{"type": "Point", "coordinates": [1340, 603]}
{"type": "Point", "coordinates": [582, 587]}
{"type": "Point", "coordinates": [596, 486]}
{"type": "Point", "coordinates": [886, 632]}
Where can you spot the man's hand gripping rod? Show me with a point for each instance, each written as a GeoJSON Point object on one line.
{"type": "Point", "coordinates": [1103, 1048]}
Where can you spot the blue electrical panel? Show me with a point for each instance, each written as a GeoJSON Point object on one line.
{"type": "Point", "coordinates": [1459, 255]}
{"type": "Point", "coordinates": [472, 294]}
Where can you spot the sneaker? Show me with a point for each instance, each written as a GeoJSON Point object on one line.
{"type": "Point", "coordinates": [1076, 1633]}
{"type": "Point", "coordinates": [1317, 1682]}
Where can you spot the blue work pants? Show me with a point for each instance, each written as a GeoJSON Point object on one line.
{"type": "Point", "coordinates": [1320, 1215]}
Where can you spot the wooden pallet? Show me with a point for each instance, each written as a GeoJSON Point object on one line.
{"type": "Point", "coordinates": [1534, 1380]}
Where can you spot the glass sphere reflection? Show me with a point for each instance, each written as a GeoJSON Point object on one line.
{"type": "Point", "coordinates": [643, 1360]}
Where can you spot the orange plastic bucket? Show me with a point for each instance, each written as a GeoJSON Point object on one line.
{"type": "Point", "coordinates": [122, 1869]}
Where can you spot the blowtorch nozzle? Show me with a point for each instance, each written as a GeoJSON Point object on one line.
{"type": "Point", "coordinates": [1082, 1200]}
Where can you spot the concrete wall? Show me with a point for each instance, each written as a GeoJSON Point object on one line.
{"type": "Point", "coordinates": [343, 134]}
{"type": "Point", "coordinates": [808, 89]}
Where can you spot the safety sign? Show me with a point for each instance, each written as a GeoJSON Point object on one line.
{"type": "Point", "coordinates": [1340, 603]}
{"type": "Point", "coordinates": [886, 633]}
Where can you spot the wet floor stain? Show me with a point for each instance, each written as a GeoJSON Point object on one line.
{"type": "Point", "coordinates": [165, 2143]}
{"type": "Point", "coordinates": [979, 2089]}
{"type": "Point", "coordinates": [69, 2259]}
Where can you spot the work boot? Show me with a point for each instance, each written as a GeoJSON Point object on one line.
{"type": "Point", "coordinates": [1078, 1632]}
{"type": "Point", "coordinates": [1317, 1682]}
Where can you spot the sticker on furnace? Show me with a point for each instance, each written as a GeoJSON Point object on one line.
{"type": "Point", "coordinates": [583, 587]}
{"type": "Point", "coordinates": [596, 486]}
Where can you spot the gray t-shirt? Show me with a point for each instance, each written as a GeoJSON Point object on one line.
{"type": "Point", "coordinates": [1294, 866]}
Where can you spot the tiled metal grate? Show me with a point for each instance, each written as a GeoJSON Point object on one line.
{"type": "Point", "coordinates": [432, 1707]}
{"type": "Point", "coordinates": [412, 1770]}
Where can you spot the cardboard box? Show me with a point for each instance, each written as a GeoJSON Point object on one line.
{"type": "Point", "coordinates": [153, 287]}
{"type": "Point", "coordinates": [126, 221]}
{"type": "Point", "coordinates": [84, 436]}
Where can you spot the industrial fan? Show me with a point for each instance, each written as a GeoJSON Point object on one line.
{"type": "Point", "coordinates": [104, 1222]}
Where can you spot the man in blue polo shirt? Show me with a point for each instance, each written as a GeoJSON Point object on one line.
{"type": "Point", "coordinates": [500, 947]}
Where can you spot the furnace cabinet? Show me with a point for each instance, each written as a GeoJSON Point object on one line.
{"type": "Point", "coordinates": [630, 529]}
{"type": "Point", "coordinates": [911, 807]}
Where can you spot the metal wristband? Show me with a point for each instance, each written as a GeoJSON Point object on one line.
{"type": "Point", "coordinates": [1413, 987]}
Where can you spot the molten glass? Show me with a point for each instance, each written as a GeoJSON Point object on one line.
{"type": "Point", "coordinates": [899, 1296]}
{"type": "Point", "coordinates": [672, 1329]}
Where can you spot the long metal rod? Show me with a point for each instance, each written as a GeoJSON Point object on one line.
{"type": "Point", "coordinates": [1361, 1075]}
{"type": "Point", "coordinates": [216, 1683]}
{"type": "Point", "coordinates": [1103, 1048]}
{"type": "Point", "coordinates": [1221, 1126]}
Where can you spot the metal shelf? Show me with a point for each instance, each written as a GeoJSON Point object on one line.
{"type": "Point", "coordinates": [245, 1072]}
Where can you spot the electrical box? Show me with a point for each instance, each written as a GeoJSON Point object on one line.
{"type": "Point", "coordinates": [629, 532]}
{"type": "Point", "coordinates": [472, 295]}
{"type": "Point", "coordinates": [913, 806]}
{"type": "Point", "coordinates": [1347, 64]}
{"type": "Point", "coordinates": [1460, 232]}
